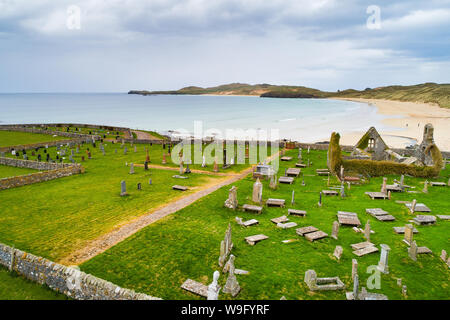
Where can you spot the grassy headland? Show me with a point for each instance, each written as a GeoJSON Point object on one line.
{"type": "Point", "coordinates": [427, 93]}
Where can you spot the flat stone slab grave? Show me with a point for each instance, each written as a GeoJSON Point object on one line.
{"type": "Point", "coordinates": [363, 248]}
{"type": "Point", "coordinates": [292, 172]}
{"type": "Point", "coordinates": [180, 188]}
{"type": "Point", "coordinates": [295, 212]}
{"type": "Point", "coordinates": [278, 220]}
{"type": "Point", "coordinates": [401, 230]}
{"type": "Point", "coordinates": [393, 188]}
{"type": "Point", "coordinates": [348, 218]}
{"type": "Point", "coordinates": [422, 220]}
{"type": "Point", "coordinates": [420, 207]}
{"type": "Point", "coordinates": [252, 208]}
{"type": "Point", "coordinates": [380, 214]}
{"type": "Point", "coordinates": [438, 184]}
{"type": "Point", "coordinates": [288, 180]}
{"type": "Point", "coordinates": [377, 195]}
{"type": "Point", "coordinates": [329, 193]}
{"type": "Point", "coordinates": [286, 225]}
{"type": "Point", "coordinates": [195, 287]}
{"type": "Point", "coordinates": [322, 172]}
{"type": "Point", "coordinates": [443, 217]}
{"type": "Point", "coordinates": [252, 240]}
{"type": "Point", "coordinates": [304, 230]}
{"type": "Point", "coordinates": [300, 165]}
{"type": "Point", "coordinates": [423, 250]}
{"type": "Point", "coordinates": [286, 158]}
{"type": "Point", "coordinates": [250, 223]}
{"type": "Point", "coordinates": [312, 236]}
{"type": "Point", "coordinates": [271, 202]}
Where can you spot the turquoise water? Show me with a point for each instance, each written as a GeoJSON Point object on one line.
{"type": "Point", "coordinates": [307, 120]}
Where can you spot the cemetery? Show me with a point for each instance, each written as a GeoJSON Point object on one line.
{"type": "Point", "coordinates": [224, 232]}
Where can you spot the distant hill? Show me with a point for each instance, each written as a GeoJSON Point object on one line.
{"type": "Point", "coordinates": [428, 92]}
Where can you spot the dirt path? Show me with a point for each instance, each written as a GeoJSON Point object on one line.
{"type": "Point", "coordinates": [119, 234]}
{"type": "Point", "coordinates": [141, 135]}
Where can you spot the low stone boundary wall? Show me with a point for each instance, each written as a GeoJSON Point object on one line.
{"type": "Point", "coordinates": [53, 171]}
{"type": "Point", "coordinates": [69, 281]}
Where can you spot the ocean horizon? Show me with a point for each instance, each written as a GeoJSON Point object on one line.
{"type": "Point", "coordinates": [306, 120]}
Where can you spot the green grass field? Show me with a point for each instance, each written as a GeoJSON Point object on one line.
{"type": "Point", "coordinates": [55, 218]}
{"type": "Point", "coordinates": [6, 171]}
{"type": "Point", "coordinates": [14, 138]}
{"type": "Point", "coordinates": [16, 287]}
{"type": "Point", "coordinates": [159, 258]}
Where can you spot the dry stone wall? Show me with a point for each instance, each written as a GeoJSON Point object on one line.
{"type": "Point", "coordinates": [66, 280]}
{"type": "Point", "coordinates": [53, 171]}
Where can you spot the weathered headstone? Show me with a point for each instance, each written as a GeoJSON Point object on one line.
{"type": "Point", "coordinates": [335, 231]}
{"type": "Point", "coordinates": [123, 188]}
{"type": "Point", "coordinates": [232, 286]}
{"type": "Point", "coordinates": [444, 255]}
{"type": "Point", "coordinates": [293, 197]}
{"type": "Point", "coordinates": [354, 268]}
{"type": "Point", "coordinates": [409, 233]}
{"type": "Point", "coordinates": [232, 201]}
{"type": "Point", "coordinates": [320, 199]}
{"type": "Point", "coordinates": [131, 168]}
{"type": "Point", "coordinates": [384, 186]}
{"type": "Point", "coordinates": [367, 231]}
{"type": "Point", "coordinates": [338, 252]}
{"type": "Point", "coordinates": [257, 191]}
{"type": "Point", "coordinates": [425, 187]}
{"type": "Point", "coordinates": [412, 251]}
{"type": "Point", "coordinates": [384, 255]}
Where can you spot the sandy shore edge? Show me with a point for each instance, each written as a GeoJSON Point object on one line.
{"type": "Point", "coordinates": [409, 119]}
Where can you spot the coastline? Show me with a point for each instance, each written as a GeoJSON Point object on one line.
{"type": "Point", "coordinates": [409, 119]}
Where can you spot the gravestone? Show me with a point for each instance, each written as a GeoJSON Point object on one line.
{"type": "Point", "coordinates": [412, 251]}
{"type": "Point", "coordinates": [354, 268]}
{"type": "Point", "coordinates": [444, 255]}
{"type": "Point", "coordinates": [135, 150]}
{"type": "Point", "coordinates": [367, 231]}
{"type": "Point", "coordinates": [131, 168]}
{"type": "Point", "coordinates": [338, 252]}
{"type": "Point", "coordinates": [139, 186]}
{"type": "Point", "coordinates": [231, 286]}
{"type": "Point", "coordinates": [150, 181]}
{"type": "Point", "coordinates": [293, 197]}
{"type": "Point", "coordinates": [146, 165]}
{"type": "Point", "coordinates": [384, 186]}
{"type": "Point", "coordinates": [409, 233]}
{"type": "Point", "coordinates": [425, 187]}
{"type": "Point", "coordinates": [273, 181]}
{"type": "Point", "coordinates": [125, 150]}
{"type": "Point", "coordinates": [214, 288]}
{"type": "Point", "coordinates": [123, 189]}
{"type": "Point", "coordinates": [257, 191]}
{"type": "Point", "coordinates": [187, 171]}
{"type": "Point", "coordinates": [383, 263]}
{"type": "Point", "coordinates": [164, 161]}
{"type": "Point", "coordinates": [232, 201]}
{"type": "Point", "coordinates": [225, 246]}
{"type": "Point", "coordinates": [320, 199]}
{"type": "Point", "coordinates": [335, 231]}
{"type": "Point", "coordinates": [181, 170]}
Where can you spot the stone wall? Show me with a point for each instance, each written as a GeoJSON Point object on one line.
{"type": "Point", "coordinates": [69, 281]}
{"type": "Point", "coordinates": [54, 171]}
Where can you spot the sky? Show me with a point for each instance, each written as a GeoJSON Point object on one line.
{"type": "Point", "coordinates": [121, 45]}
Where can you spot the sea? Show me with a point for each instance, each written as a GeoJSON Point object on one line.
{"type": "Point", "coordinates": [306, 120]}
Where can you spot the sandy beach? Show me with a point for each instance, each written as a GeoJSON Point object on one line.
{"type": "Point", "coordinates": [409, 119]}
